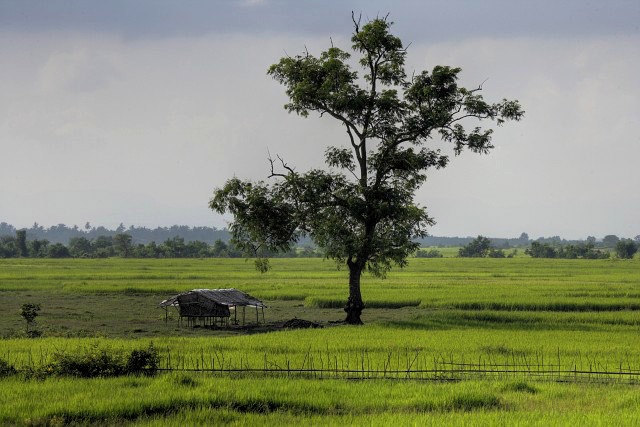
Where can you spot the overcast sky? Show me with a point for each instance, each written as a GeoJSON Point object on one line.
{"type": "Point", "coordinates": [134, 111]}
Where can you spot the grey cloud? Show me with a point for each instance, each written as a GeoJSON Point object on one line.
{"type": "Point", "coordinates": [417, 20]}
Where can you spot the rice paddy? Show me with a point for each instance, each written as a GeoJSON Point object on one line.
{"type": "Point", "coordinates": [573, 314]}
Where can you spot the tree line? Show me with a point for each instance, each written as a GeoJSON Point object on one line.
{"type": "Point", "coordinates": [62, 233]}
{"type": "Point", "coordinates": [483, 247]}
{"type": "Point", "coordinates": [122, 245]}
{"type": "Point", "coordinates": [179, 242]}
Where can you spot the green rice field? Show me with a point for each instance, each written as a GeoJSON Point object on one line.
{"type": "Point", "coordinates": [559, 315]}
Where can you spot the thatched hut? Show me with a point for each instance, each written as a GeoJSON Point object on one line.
{"type": "Point", "coordinates": [212, 306]}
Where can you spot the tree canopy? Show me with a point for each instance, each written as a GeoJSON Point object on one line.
{"type": "Point", "coordinates": [361, 210]}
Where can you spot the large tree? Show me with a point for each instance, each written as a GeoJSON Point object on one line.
{"type": "Point", "coordinates": [361, 209]}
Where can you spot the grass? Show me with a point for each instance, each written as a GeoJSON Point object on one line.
{"type": "Point", "coordinates": [576, 313]}
{"type": "Point", "coordinates": [196, 399]}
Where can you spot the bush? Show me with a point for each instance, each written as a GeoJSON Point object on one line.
{"type": "Point", "coordinates": [94, 362]}
{"type": "Point", "coordinates": [432, 253]}
{"type": "Point", "coordinates": [102, 362]}
{"type": "Point", "coordinates": [496, 253]}
{"type": "Point", "coordinates": [6, 369]}
{"type": "Point", "coordinates": [143, 361]}
{"type": "Point", "coordinates": [478, 248]}
{"type": "Point", "coordinates": [626, 249]}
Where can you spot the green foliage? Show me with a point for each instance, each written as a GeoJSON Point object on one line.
{"type": "Point", "coordinates": [21, 242]}
{"type": "Point", "coordinates": [96, 361]}
{"type": "Point", "coordinates": [610, 241]}
{"type": "Point", "coordinates": [480, 247]}
{"type": "Point", "coordinates": [361, 210]}
{"type": "Point", "coordinates": [144, 361]}
{"type": "Point", "coordinates": [583, 250]}
{"type": "Point", "coordinates": [431, 253]}
{"type": "Point", "coordinates": [29, 312]}
{"type": "Point", "coordinates": [58, 250]}
{"type": "Point", "coordinates": [626, 249]}
{"type": "Point", "coordinates": [6, 369]}
{"type": "Point", "coordinates": [122, 244]}
{"type": "Point", "coordinates": [90, 363]}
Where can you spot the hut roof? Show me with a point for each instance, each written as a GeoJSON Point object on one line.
{"type": "Point", "coordinates": [229, 297]}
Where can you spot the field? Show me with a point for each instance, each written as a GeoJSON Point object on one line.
{"type": "Point", "coordinates": [446, 341]}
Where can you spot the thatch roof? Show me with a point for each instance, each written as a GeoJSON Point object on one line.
{"type": "Point", "coordinates": [229, 297]}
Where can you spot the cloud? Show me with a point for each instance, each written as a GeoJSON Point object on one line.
{"type": "Point", "coordinates": [78, 70]}
{"type": "Point", "coordinates": [162, 121]}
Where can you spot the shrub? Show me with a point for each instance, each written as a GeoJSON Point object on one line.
{"type": "Point", "coordinates": [496, 253]}
{"type": "Point", "coordinates": [143, 361]}
{"type": "Point", "coordinates": [102, 362]}
{"type": "Point", "coordinates": [626, 249]}
{"type": "Point", "coordinates": [94, 362]}
{"type": "Point", "coordinates": [6, 369]}
{"type": "Point", "coordinates": [478, 248]}
{"type": "Point", "coordinates": [432, 253]}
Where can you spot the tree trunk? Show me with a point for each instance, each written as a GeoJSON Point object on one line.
{"type": "Point", "coordinates": [354, 305]}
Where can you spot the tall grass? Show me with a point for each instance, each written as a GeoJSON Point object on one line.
{"type": "Point", "coordinates": [195, 399]}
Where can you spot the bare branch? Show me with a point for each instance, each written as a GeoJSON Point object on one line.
{"type": "Point", "coordinates": [356, 24]}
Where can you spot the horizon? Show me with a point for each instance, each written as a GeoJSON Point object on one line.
{"type": "Point", "coordinates": [82, 229]}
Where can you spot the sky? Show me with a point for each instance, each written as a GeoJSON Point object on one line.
{"type": "Point", "coordinates": [134, 112]}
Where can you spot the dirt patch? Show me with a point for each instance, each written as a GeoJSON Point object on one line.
{"type": "Point", "coordinates": [300, 324]}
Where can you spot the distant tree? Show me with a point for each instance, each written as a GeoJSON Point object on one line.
{"type": "Point", "coordinates": [21, 243]}
{"type": "Point", "coordinates": [541, 250]}
{"type": "Point", "coordinates": [431, 253]}
{"type": "Point", "coordinates": [219, 249]}
{"type": "Point", "coordinates": [29, 312]}
{"type": "Point", "coordinates": [174, 247]}
{"type": "Point", "coordinates": [496, 253]}
{"type": "Point", "coordinates": [478, 248]}
{"type": "Point", "coordinates": [8, 247]}
{"type": "Point", "coordinates": [80, 247]}
{"type": "Point", "coordinates": [58, 250]}
{"type": "Point", "coordinates": [626, 248]}
{"type": "Point", "coordinates": [38, 248]}
{"type": "Point", "coordinates": [610, 241]}
{"type": "Point", "coordinates": [122, 244]}
{"type": "Point", "coordinates": [523, 240]}
{"type": "Point", "coordinates": [6, 229]}
{"type": "Point", "coordinates": [103, 246]}
{"type": "Point", "coordinates": [361, 210]}
{"type": "Point", "coordinates": [591, 240]}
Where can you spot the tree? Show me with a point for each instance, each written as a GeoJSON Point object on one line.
{"type": "Point", "coordinates": [58, 250]}
{"type": "Point", "coordinates": [80, 247]}
{"type": "Point", "coordinates": [29, 312]}
{"type": "Point", "coordinates": [610, 241]}
{"type": "Point", "coordinates": [38, 248]}
{"type": "Point", "coordinates": [626, 248]}
{"type": "Point", "coordinates": [122, 244]}
{"type": "Point", "coordinates": [541, 250]}
{"type": "Point", "coordinates": [361, 211]}
{"type": "Point", "coordinates": [21, 242]}
{"type": "Point", "coordinates": [477, 248]}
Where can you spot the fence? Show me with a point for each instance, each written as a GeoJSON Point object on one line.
{"type": "Point", "coordinates": [398, 364]}
{"type": "Point", "coordinates": [411, 366]}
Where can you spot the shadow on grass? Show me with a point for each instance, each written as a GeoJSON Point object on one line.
{"type": "Point", "coordinates": [525, 321]}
